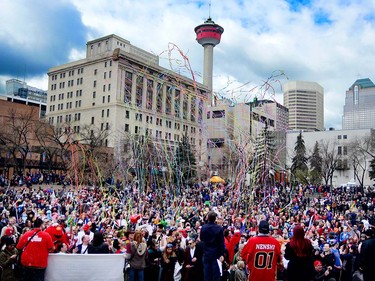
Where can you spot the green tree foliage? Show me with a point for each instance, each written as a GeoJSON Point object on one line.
{"type": "Point", "coordinates": [316, 165]}
{"type": "Point", "coordinates": [185, 163]}
{"type": "Point", "coordinates": [299, 162]}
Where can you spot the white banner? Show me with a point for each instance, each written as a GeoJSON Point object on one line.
{"type": "Point", "coordinates": [93, 267]}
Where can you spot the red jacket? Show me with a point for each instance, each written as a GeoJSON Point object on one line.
{"type": "Point", "coordinates": [230, 244]}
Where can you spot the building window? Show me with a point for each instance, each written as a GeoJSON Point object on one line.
{"type": "Point", "coordinates": [94, 95]}
{"type": "Point", "coordinates": [127, 114]}
{"type": "Point", "coordinates": [339, 137]}
{"type": "Point", "coordinates": [108, 98]}
{"type": "Point", "coordinates": [92, 120]}
{"type": "Point", "coordinates": [139, 91]}
{"type": "Point", "coordinates": [94, 83]}
{"type": "Point", "coordinates": [107, 112]}
{"type": "Point", "coordinates": [126, 127]}
{"type": "Point", "coordinates": [102, 112]}
{"type": "Point", "coordinates": [345, 150]}
{"type": "Point", "coordinates": [345, 137]}
{"type": "Point", "coordinates": [339, 150]}
{"type": "Point", "coordinates": [95, 71]}
{"type": "Point", "coordinates": [128, 87]}
{"type": "Point", "coordinates": [356, 94]}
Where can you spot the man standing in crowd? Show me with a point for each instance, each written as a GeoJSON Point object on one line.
{"type": "Point", "coordinates": [367, 256]}
{"type": "Point", "coordinates": [212, 237]}
{"type": "Point", "coordinates": [34, 259]}
{"type": "Point", "coordinates": [262, 253]}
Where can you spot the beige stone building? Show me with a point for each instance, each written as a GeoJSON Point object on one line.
{"type": "Point", "coordinates": [122, 89]}
{"type": "Point", "coordinates": [305, 101]}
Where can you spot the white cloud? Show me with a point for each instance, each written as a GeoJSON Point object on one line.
{"type": "Point", "coordinates": [260, 37]}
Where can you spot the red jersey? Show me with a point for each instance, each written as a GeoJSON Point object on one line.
{"type": "Point", "coordinates": [261, 254]}
{"type": "Point", "coordinates": [36, 252]}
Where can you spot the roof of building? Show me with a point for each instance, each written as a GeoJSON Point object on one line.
{"type": "Point", "coordinates": [363, 83]}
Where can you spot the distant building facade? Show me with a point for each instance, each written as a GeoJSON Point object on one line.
{"type": "Point", "coordinates": [305, 101]}
{"type": "Point", "coordinates": [121, 89]}
{"type": "Point", "coordinates": [235, 127]}
{"type": "Point", "coordinates": [359, 108]}
{"type": "Point", "coordinates": [338, 143]}
{"type": "Point", "coordinates": [18, 91]}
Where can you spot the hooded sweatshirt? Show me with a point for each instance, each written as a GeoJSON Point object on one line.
{"type": "Point", "coordinates": [138, 255]}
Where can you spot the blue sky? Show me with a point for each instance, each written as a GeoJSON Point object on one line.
{"type": "Point", "coordinates": [328, 42]}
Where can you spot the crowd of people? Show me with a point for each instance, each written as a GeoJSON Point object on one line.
{"type": "Point", "coordinates": [201, 232]}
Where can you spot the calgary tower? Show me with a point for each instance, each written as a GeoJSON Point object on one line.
{"type": "Point", "coordinates": [208, 35]}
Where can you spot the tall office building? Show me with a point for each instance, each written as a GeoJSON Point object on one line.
{"type": "Point", "coordinates": [359, 108]}
{"type": "Point", "coordinates": [305, 101]}
{"type": "Point", "coordinates": [121, 89]}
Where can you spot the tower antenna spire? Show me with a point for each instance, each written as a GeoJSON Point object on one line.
{"type": "Point", "coordinates": [209, 9]}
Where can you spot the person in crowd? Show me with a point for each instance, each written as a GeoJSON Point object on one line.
{"type": "Point", "coordinates": [83, 247]}
{"type": "Point", "coordinates": [212, 237]}
{"type": "Point", "coordinates": [299, 252]}
{"type": "Point", "coordinates": [338, 263]}
{"type": "Point", "coordinates": [98, 245]}
{"type": "Point", "coordinates": [262, 254]}
{"type": "Point", "coordinates": [231, 240]}
{"type": "Point", "coordinates": [138, 257]}
{"type": "Point", "coordinates": [62, 249]}
{"type": "Point", "coordinates": [348, 256]}
{"type": "Point", "coordinates": [10, 229]}
{"type": "Point", "coordinates": [193, 263]}
{"type": "Point", "coordinates": [367, 256]}
{"type": "Point", "coordinates": [34, 258]}
{"type": "Point", "coordinates": [153, 261]}
{"type": "Point", "coordinates": [328, 260]}
{"type": "Point", "coordinates": [168, 262]}
{"type": "Point", "coordinates": [322, 273]}
{"type": "Point", "coordinates": [8, 259]}
{"type": "Point", "coordinates": [86, 230]}
{"type": "Point", "coordinates": [240, 272]}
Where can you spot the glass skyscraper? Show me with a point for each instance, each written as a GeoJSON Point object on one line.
{"type": "Point", "coordinates": [359, 108]}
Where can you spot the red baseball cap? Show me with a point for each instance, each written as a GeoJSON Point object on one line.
{"type": "Point", "coordinates": [317, 263]}
{"type": "Point", "coordinates": [9, 231]}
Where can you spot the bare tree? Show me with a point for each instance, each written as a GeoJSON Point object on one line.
{"type": "Point", "coordinates": [54, 144]}
{"type": "Point", "coordinates": [16, 135]}
{"type": "Point", "coordinates": [360, 154]}
{"type": "Point", "coordinates": [330, 158]}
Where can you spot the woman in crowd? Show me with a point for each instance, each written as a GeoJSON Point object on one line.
{"type": "Point", "coordinates": [8, 259]}
{"type": "Point", "coordinates": [97, 245]}
{"type": "Point", "coordinates": [299, 252]}
{"type": "Point", "coordinates": [138, 257]}
{"type": "Point", "coordinates": [168, 262]}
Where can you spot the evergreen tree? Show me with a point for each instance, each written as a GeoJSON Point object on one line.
{"type": "Point", "coordinates": [299, 161]}
{"type": "Point", "coordinates": [316, 165]}
{"type": "Point", "coordinates": [185, 163]}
